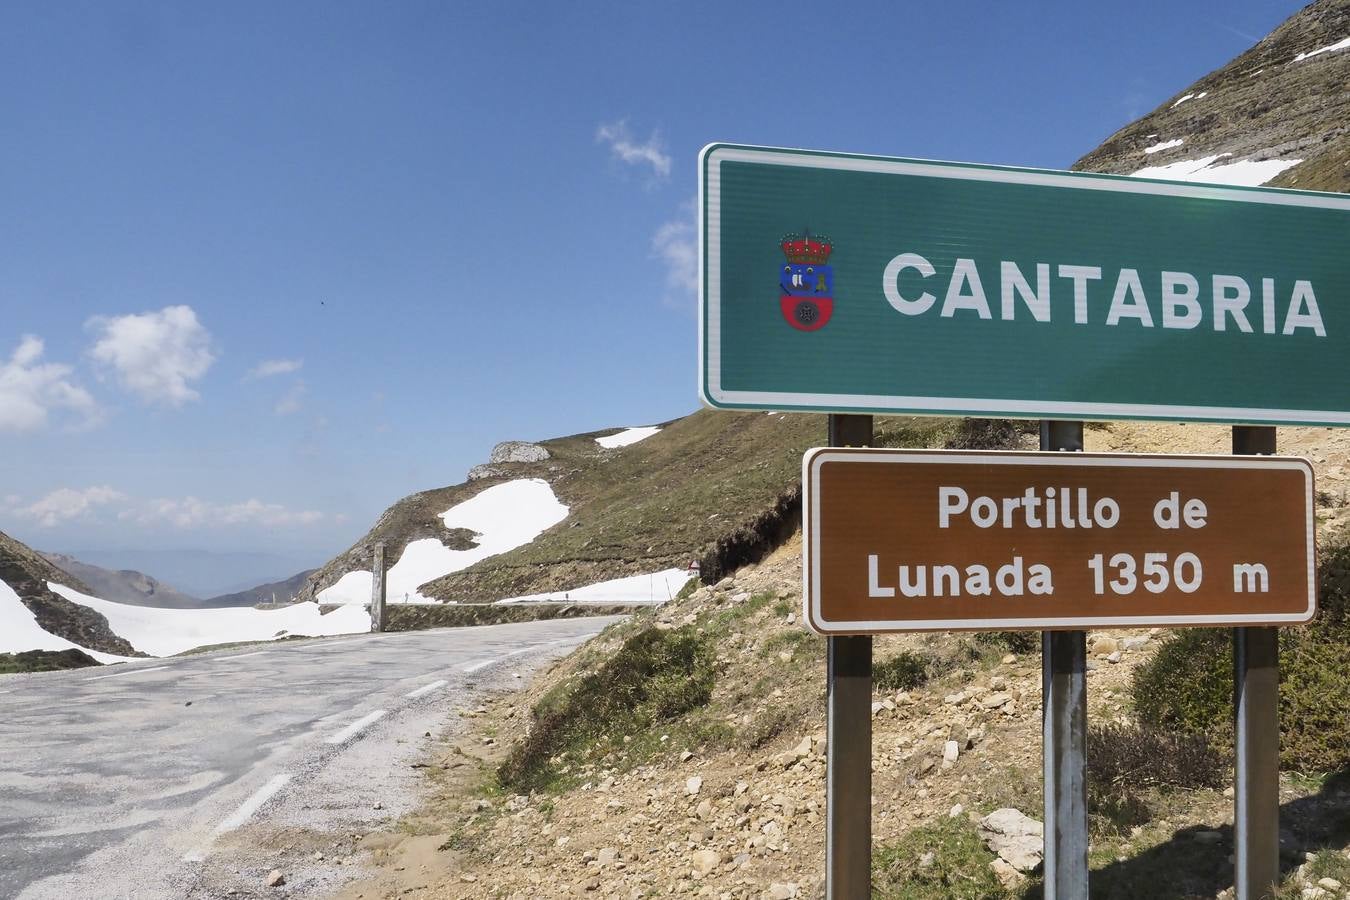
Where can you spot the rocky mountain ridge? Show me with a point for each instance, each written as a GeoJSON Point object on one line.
{"type": "Point", "coordinates": [27, 572]}
{"type": "Point", "coordinates": [1279, 100]}
{"type": "Point", "coordinates": [124, 585]}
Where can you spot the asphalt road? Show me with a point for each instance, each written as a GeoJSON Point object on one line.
{"type": "Point", "coordinates": [137, 780]}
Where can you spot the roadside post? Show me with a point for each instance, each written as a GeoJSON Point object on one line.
{"type": "Point", "coordinates": [1064, 731]}
{"type": "Point", "coordinates": [848, 734]}
{"type": "Point", "coordinates": [914, 287]}
{"type": "Point", "coordinates": [377, 588]}
{"type": "Point", "coordinates": [1256, 734]}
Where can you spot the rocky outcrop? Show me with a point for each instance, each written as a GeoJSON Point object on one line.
{"type": "Point", "coordinates": [27, 573]}
{"type": "Point", "coordinates": [518, 452]}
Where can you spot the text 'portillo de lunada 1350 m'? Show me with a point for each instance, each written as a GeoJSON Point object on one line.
{"type": "Point", "coordinates": [926, 540]}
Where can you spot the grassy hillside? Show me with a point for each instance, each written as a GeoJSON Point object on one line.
{"type": "Point", "coordinates": [718, 487]}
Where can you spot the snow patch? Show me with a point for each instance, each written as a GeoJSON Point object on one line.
{"type": "Point", "coordinates": [1182, 100]}
{"type": "Point", "coordinates": [1246, 173]}
{"type": "Point", "coordinates": [504, 517]}
{"type": "Point", "coordinates": [164, 632]}
{"type": "Point", "coordinates": [657, 587]}
{"type": "Point", "coordinates": [1329, 48]}
{"type": "Point", "coordinates": [627, 436]}
{"type": "Point", "coordinates": [1175, 142]}
{"type": "Point", "coordinates": [19, 630]}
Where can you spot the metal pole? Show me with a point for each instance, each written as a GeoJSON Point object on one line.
{"type": "Point", "coordinates": [1064, 732]}
{"type": "Point", "coordinates": [1256, 732]}
{"type": "Point", "coordinates": [377, 589]}
{"type": "Point", "coordinates": [848, 779]}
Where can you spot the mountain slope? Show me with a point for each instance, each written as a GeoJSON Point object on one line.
{"type": "Point", "coordinates": [27, 574]}
{"type": "Point", "coordinates": [125, 585]}
{"type": "Point", "coordinates": [1280, 100]}
{"type": "Point", "coordinates": [717, 487]}
{"type": "Point", "coordinates": [284, 590]}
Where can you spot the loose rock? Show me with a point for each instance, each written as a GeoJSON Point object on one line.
{"type": "Point", "coordinates": [1015, 837]}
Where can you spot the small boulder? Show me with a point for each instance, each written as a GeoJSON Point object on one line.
{"type": "Point", "coordinates": [275, 879]}
{"type": "Point", "coordinates": [1017, 838]}
{"type": "Point", "coordinates": [693, 785]}
{"type": "Point", "coordinates": [704, 861]}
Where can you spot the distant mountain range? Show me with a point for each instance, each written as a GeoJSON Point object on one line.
{"type": "Point", "coordinates": [139, 589]}
{"type": "Point", "coordinates": [199, 573]}
{"type": "Point", "coordinates": [124, 585]}
{"type": "Point", "coordinates": [280, 591]}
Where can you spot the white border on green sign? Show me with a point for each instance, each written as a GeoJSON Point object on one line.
{"type": "Point", "coordinates": [710, 280]}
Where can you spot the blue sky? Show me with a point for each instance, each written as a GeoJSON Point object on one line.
{"type": "Point", "coordinates": [266, 268]}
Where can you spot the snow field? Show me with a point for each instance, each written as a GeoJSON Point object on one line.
{"type": "Point", "coordinates": [1342, 44]}
{"type": "Point", "coordinates": [657, 587]}
{"type": "Point", "coordinates": [19, 630]}
{"type": "Point", "coordinates": [165, 632]}
{"type": "Point", "coordinates": [505, 516]}
{"type": "Point", "coordinates": [627, 436]}
{"type": "Point", "coordinates": [1247, 173]}
{"type": "Point", "coordinates": [1165, 145]}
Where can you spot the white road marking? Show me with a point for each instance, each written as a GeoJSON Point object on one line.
{"type": "Point", "coordinates": [242, 814]}
{"type": "Point", "coordinates": [425, 689]}
{"type": "Point", "coordinates": [127, 672]}
{"type": "Point", "coordinates": [364, 721]}
{"type": "Point", "coordinates": [253, 803]}
{"type": "Point", "coordinates": [479, 665]}
{"type": "Point", "coordinates": [240, 655]}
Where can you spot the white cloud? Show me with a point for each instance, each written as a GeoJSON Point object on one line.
{"type": "Point", "coordinates": [65, 504]}
{"type": "Point", "coordinates": [269, 367]}
{"type": "Point", "coordinates": [676, 245]}
{"type": "Point", "coordinates": [191, 512]}
{"type": "Point", "coordinates": [155, 355]}
{"type": "Point", "coordinates": [292, 400]}
{"type": "Point", "coordinates": [30, 389]}
{"type": "Point", "coordinates": [68, 504]}
{"type": "Point", "coordinates": [623, 147]}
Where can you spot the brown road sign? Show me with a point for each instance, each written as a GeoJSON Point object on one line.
{"type": "Point", "coordinates": [924, 540]}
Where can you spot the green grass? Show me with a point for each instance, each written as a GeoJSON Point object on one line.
{"type": "Point", "coordinates": [1188, 684]}
{"type": "Point", "coordinates": [958, 870]}
{"type": "Point", "coordinates": [904, 671]}
{"type": "Point", "coordinates": [654, 680]}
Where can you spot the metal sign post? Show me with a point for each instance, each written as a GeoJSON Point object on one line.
{"type": "Point", "coordinates": [848, 735]}
{"type": "Point", "coordinates": [1064, 732]}
{"type": "Point", "coordinates": [1256, 702]}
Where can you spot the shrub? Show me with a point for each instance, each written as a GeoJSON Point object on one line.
{"type": "Point", "coordinates": [654, 677]}
{"type": "Point", "coordinates": [1188, 685]}
{"type": "Point", "coordinates": [987, 434]}
{"type": "Point", "coordinates": [903, 672]}
{"type": "Point", "coordinates": [45, 660]}
{"type": "Point", "coordinates": [1012, 641]}
{"type": "Point", "coordinates": [1126, 761]}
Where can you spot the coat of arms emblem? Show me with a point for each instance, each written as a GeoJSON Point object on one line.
{"type": "Point", "coordinates": [806, 283]}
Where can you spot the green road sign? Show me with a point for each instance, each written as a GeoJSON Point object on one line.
{"type": "Point", "coordinates": [833, 282]}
